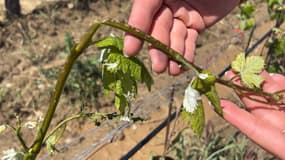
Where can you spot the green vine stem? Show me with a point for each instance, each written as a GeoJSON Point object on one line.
{"type": "Point", "coordinates": [270, 96]}
{"type": "Point", "coordinates": [18, 133]}
{"type": "Point", "coordinates": [20, 138]}
{"type": "Point", "coordinates": [61, 124]}
{"type": "Point", "coordinates": [177, 57]}
{"type": "Point", "coordinates": [77, 116]}
{"type": "Point", "coordinates": [75, 53]}
{"type": "Point", "coordinates": [157, 44]}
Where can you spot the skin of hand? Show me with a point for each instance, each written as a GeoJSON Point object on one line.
{"type": "Point", "coordinates": [176, 23]}
{"type": "Point", "coordinates": [264, 124]}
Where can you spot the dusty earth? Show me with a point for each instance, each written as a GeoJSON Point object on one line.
{"type": "Point", "coordinates": [34, 44]}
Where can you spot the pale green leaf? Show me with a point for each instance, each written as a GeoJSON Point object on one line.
{"type": "Point", "coordinates": [196, 119]}
{"type": "Point", "coordinates": [238, 64]}
{"type": "Point", "coordinates": [111, 42]}
{"type": "Point", "coordinates": [54, 139]}
{"type": "Point", "coordinates": [249, 68]}
{"type": "Point", "coordinates": [254, 64]}
{"type": "Point", "coordinates": [50, 145]}
{"type": "Point", "coordinates": [252, 80]}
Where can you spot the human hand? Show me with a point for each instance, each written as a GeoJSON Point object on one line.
{"type": "Point", "coordinates": [175, 23]}
{"type": "Point", "coordinates": [264, 124]}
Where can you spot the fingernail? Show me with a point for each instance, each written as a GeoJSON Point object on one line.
{"type": "Point", "coordinates": [226, 73]}
{"type": "Point", "coordinates": [126, 54]}
{"type": "Point", "coordinates": [126, 43]}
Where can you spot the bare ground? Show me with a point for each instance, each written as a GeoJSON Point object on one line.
{"type": "Point", "coordinates": [34, 43]}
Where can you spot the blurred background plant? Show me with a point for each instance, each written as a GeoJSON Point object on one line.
{"type": "Point", "coordinates": [275, 60]}
{"type": "Point", "coordinates": [216, 144]}
{"type": "Point", "coordinates": [84, 82]}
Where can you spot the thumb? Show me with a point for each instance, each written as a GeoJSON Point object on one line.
{"type": "Point", "coordinates": [141, 17]}
{"type": "Point", "coordinates": [236, 116]}
{"type": "Point", "coordinates": [264, 134]}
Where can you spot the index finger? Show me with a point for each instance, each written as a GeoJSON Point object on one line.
{"type": "Point", "coordinates": [141, 17]}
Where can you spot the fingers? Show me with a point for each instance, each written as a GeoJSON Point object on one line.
{"type": "Point", "coordinates": [270, 113]}
{"type": "Point", "coordinates": [183, 11]}
{"type": "Point", "coordinates": [177, 42]}
{"type": "Point", "coordinates": [182, 40]}
{"type": "Point", "coordinates": [279, 78]}
{"type": "Point", "coordinates": [141, 17]}
{"type": "Point", "coordinates": [260, 131]}
{"type": "Point", "coordinates": [189, 46]}
{"type": "Point", "coordinates": [174, 23]}
{"type": "Point", "coordinates": [163, 18]}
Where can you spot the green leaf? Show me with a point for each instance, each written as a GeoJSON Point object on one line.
{"type": "Point", "coordinates": [199, 85]}
{"type": "Point", "coordinates": [246, 16]}
{"type": "Point", "coordinates": [196, 119]}
{"type": "Point", "coordinates": [205, 84]}
{"type": "Point", "coordinates": [54, 139]}
{"type": "Point", "coordinates": [238, 64]}
{"type": "Point", "coordinates": [207, 77]}
{"type": "Point", "coordinates": [125, 91]}
{"type": "Point", "coordinates": [252, 80]}
{"type": "Point", "coordinates": [254, 65]}
{"type": "Point", "coordinates": [279, 46]}
{"type": "Point", "coordinates": [192, 105]}
{"type": "Point", "coordinates": [120, 73]}
{"type": "Point", "coordinates": [109, 79]}
{"type": "Point", "coordinates": [249, 68]}
{"type": "Point", "coordinates": [247, 9]}
{"type": "Point", "coordinates": [111, 42]}
{"type": "Point", "coordinates": [213, 97]}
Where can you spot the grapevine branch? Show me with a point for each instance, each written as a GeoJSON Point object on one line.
{"type": "Point", "coordinates": [177, 57]}
{"type": "Point", "coordinates": [19, 135]}
{"type": "Point", "coordinates": [78, 49]}
{"type": "Point", "coordinates": [77, 116]}
{"type": "Point", "coordinates": [75, 53]}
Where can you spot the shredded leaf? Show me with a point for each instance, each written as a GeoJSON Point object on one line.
{"type": "Point", "coordinates": [193, 110]}
{"type": "Point", "coordinates": [121, 73]}
{"type": "Point", "coordinates": [196, 119]}
{"type": "Point", "coordinates": [190, 101]}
